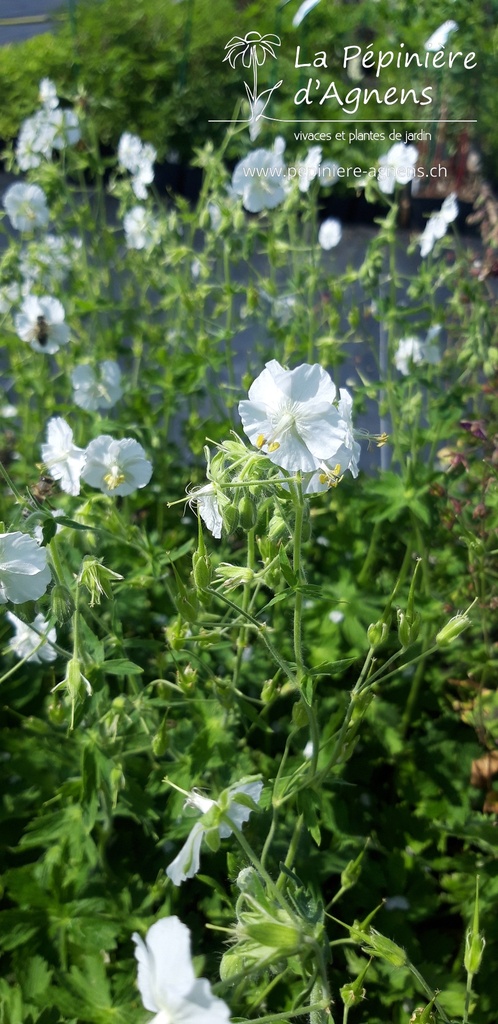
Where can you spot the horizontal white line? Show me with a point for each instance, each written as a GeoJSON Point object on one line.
{"type": "Point", "coordinates": [339, 120]}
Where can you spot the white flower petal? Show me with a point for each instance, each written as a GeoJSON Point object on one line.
{"type": "Point", "coordinates": [187, 862]}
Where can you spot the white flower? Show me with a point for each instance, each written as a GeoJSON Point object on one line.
{"type": "Point", "coordinates": [63, 459]}
{"type": "Point", "coordinates": [396, 903]}
{"type": "Point", "coordinates": [440, 37]}
{"type": "Point", "coordinates": [47, 94]}
{"type": "Point", "coordinates": [437, 224]}
{"type": "Point", "coordinates": [116, 467]}
{"type": "Point", "coordinates": [336, 616]}
{"type": "Point", "coordinates": [129, 152]}
{"type": "Point", "coordinates": [330, 471]}
{"type": "Point", "coordinates": [65, 128]}
{"type": "Point", "coordinates": [282, 306]}
{"type": "Point", "coordinates": [396, 167]}
{"type": "Point", "coordinates": [260, 179]}
{"type": "Point", "coordinates": [10, 295]}
{"type": "Point", "coordinates": [99, 390]}
{"type": "Point", "coordinates": [308, 750]}
{"type": "Point", "coordinates": [290, 415]}
{"type": "Point", "coordinates": [137, 158]}
{"type": "Point", "coordinates": [33, 644]}
{"type": "Point", "coordinates": [166, 978]}
{"type": "Point", "coordinates": [140, 228]}
{"type": "Point", "coordinates": [209, 508]}
{"type": "Point", "coordinates": [34, 141]}
{"type": "Point", "coordinates": [24, 573]}
{"type": "Point", "coordinates": [215, 216]}
{"type": "Point", "coordinates": [309, 168]}
{"type": "Point", "coordinates": [187, 862]}
{"type": "Point", "coordinates": [330, 233]}
{"type": "Point", "coordinates": [26, 206]}
{"type": "Point", "coordinates": [256, 122]}
{"type": "Point", "coordinates": [46, 262]}
{"type": "Point", "coordinates": [303, 10]}
{"type": "Point", "coordinates": [41, 323]}
{"type": "Point", "coordinates": [413, 350]}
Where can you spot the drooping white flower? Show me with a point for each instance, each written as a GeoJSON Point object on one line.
{"type": "Point", "coordinates": [26, 206]}
{"type": "Point", "coordinates": [260, 179]}
{"type": "Point", "coordinates": [24, 573]}
{"type": "Point", "coordinates": [187, 862]}
{"type": "Point", "coordinates": [303, 10]}
{"type": "Point", "coordinates": [309, 168]}
{"type": "Point", "coordinates": [439, 38]}
{"type": "Point", "coordinates": [396, 167]}
{"type": "Point", "coordinates": [47, 94]}
{"type": "Point", "coordinates": [63, 459]}
{"type": "Point", "coordinates": [116, 467]}
{"type": "Point", "coordinates": [413, 350]}
{"type": "Point", "coordinates": [33, 644]}
{"type": "Point", "coordinates": [209, 508]}
{"type": "Point", "coordinates": [166, 978]}
{"type": "Point", "coordinates": [41, 324]}
{"type": "Point", "coordinates": [330, 233]}
{"type": "Point", "coordinates": [437, 225]}
{"type": "Point", "coordinates": [97, 390]}
{"type": "Point", "coordinates": [290, 416]}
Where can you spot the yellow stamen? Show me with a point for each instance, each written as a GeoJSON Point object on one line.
{"type": "Point", "coordinates": [114, 478]}
{"type": "Point", "coordinates": [261, 440]}
{"type": "Point", "coordinates": [272, 447]}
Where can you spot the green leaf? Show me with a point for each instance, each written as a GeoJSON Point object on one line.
{"type": "Point", "coordinates": [121, 667]}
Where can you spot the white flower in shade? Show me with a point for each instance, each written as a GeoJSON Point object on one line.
{"type": "Point", "coordinates": [330, 233]}
{"type": "Point", "coordinates": [166, 978]}
{"type": "Point", "coordinates": [260, 179]}
{"type": "Point", "coordinates": [46, 262]}
{"type": "Point", "coordinates": [290, 416]}
{"type": "Point", "coordinates": [303, 10]}
{"type": "Point", "coordinates": [24, 573]}
{"type": "Point", "coordinates": [282, 306]}
{"type": "Point", "coordinates": [41, 323]}
{"type": "Point", "coordinates": [413, 350]}
{"type": "Point", "coordinates": [309, 168]}
{"type": "Point", "coordinates": [440, 37]}
{"type": "Point", "coordinates": [209, 508]}
{"type": "Point", "coordinates": [397, 167]}
{"type": "Point", "coordinates": [26, 206]}
{"type": "Point", "coordinates": [129, 152]}
{"type": "Point", "coordinates": [437, 225]}
{"type": "Point", "coordinates": [187, 862]}
{"type": "Point", "coordinates": [116, 467]}
{"type": "Point", "coordinates": [63, 459]}
{"type": "Point", "coordinates": [47, 94]}
{"type": "Point", "coordinates": [97, 390]}
{"type": "Point", "coordinates": [141, 228]}
{"type": "Point", "coordinates": [65, 128]}
{"type": "Point", "coordinates": [33, 644]}
{"type": "Point", "coordinates": [215, 216]}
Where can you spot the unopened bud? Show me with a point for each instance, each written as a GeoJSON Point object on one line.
{"type": "Point", "coordinates": [230, 517]}
{"type": "Point", "coordinates": [452, 629]}
{"type": "Point", "coordinates": [97, 579]}
{"type": "Point", "coordinates": [62, 603]}
{"type": "Point", "coordinates": [202, 571]}
{"type": "Point", "coordinates": [248, 512]}
{"type": "Point", "coordinates": [234, 575]}
{"type": "Point", "coordinates": [377, 632]}
{"type": "Point", "coordinates": [474, 940]}
{"type": "Point", "coordinates": [408, 627]}
{"type": "Point", "coordinates": [378, 945]}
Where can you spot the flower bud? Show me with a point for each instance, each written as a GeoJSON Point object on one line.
{"type": "Point", "coordinates": [423, 1014]}
{"type": "Point", "coordinates": [408, 628]}
{"type": "Point", "coordinates": [474, 940]}
{"type": "Point", "coordinates": [452, 629]}
{"type": "Point", "coordinates": [62, 604]}
{"type": "Point", "coordinates": [376, 944]}
{"type": "Point", "coordinates": [377, 632]}
{"type": "Point", "coordinates": [202, 571]}
{"type": "Point", "coordinates": [97, 579]}
{"type": "Point", "coordinates": [234, 576]}
{"type": "Point", "coordinates": [230, 517]}
{"type": "Point", "coordinates": [187, 605]}
{"type": "Point", "coordinates": [248, 513]}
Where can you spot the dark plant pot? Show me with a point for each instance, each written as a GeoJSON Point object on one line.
{"type": "Point", "coordinates": [186, 181]}
{"type": "Point", "coordinates": [350, 208]}
{"type": "Point", "coordinates": [422, 208]}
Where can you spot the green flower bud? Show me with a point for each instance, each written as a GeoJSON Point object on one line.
{"type": "Point", "coordinates": [354, 992]}
{"type": "Point", "coordinates": [62, 603]}
{"type": "Point", "coordinates": [202, 571]}
{"type": "Point", "coordinates": [97, 579]}
{"type": "Point", "coordinates": [230, 517]}
{"type": "Point", "coordinates": [452, 629]}
{"type": "Point", "coordinates": [376, 944]}
{"type": "Point", "coordinates": [187, 605]}
{"type": "Point", "coordinates": [474, 940]}
{"type": "Point", "coordinates": [424, 1014]}
{"type": "Point", "coordinates": [284, 938]}
{"type": "Point", "coordinates": [408, 628]}
{"type": "Point", "coordinates": [160, 743]}
{"type": "Point", "coordinates": [248, 513]}
{"type": "Point", "coordinates": [234, 576]}
{"type": "Point", "coordinates": [377, 633]}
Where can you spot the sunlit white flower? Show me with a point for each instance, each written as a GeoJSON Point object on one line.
{"type": "Point", "coordinates": [330, 233]}
{"type": "Point", "coordinates": [137, 158]}
{"type": "Point", "coordinates": [33, 644]}
{"type": "Point", "coordinates": [303, 10]}
{"type": "Point", "coordinates": [330, 471]}
{"type": "Point", "coordinates": [47, 94]}
{"type": "Point", "coordinates": [437, 224]}
{"type": "Point", "coordinates": [187, 862]}
{"type": "Point", "coordinates": [413, 350]}
{"type": "Point", "coordinates": [308, 168]}
{"type": "Point", "coordinates": [65, 128]}
{"type": "Point", "coordinates": [166, 978]}
{"type": "Point", "coordinates": [41, 323]}
{"type": "Point", "coordinates": [97, 390]}
{"type": "Point", "coordinates": [260, 179]}
{"type": "Point", "coordinates": [440, 37]}
{"type": "Point", "coordinates": [290, 416]}
{"type": "Point", "coordinates": [141, 228]}
{"type": "Point", "coordinates": [34, 142]}
{"type": "Point", "coordinates": [24, 573]}
{"type": "Point", "coordinates": [396, 167]}
{"type": "Point", "coordinates": [209, 501]}
{"type": "Point", "coordinates": [116, 467]}
{"type": "Point", "coordinates": [63, 459]}
{"type": "Point", "coordinates": [26, 206]}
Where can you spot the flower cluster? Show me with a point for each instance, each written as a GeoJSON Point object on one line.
{"type": "Point", "coordinates": [138, 158]}
{"type": "Point", "coordinates": [415, 351]}
{"type": "Point", "coordinates": [50, 128]}
{"type": "Point", "coordinates": [114, 467]}
{"type": "Point", "coordinates": [437, 225]}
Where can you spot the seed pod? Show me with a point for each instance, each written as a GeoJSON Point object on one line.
{"type": "Point", "coordinates": [248, 512]}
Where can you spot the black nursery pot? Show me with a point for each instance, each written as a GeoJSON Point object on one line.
{"type": "Point", "coordinates": [422, 208]}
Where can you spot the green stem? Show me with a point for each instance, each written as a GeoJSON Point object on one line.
{"type": "Point", "coordinates": [291, 852]}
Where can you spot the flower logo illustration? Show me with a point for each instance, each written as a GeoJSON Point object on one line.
{"type": "Point", "coordinates": [253, 49]}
